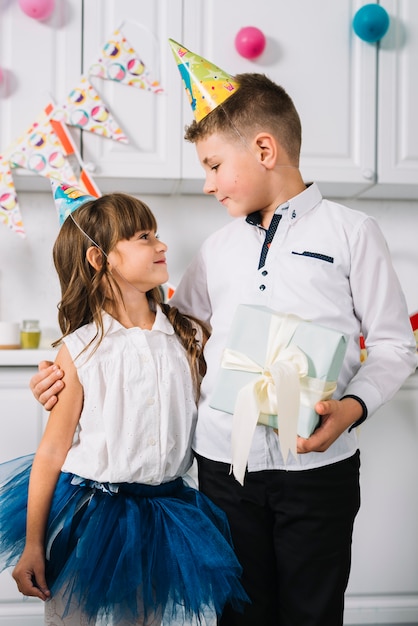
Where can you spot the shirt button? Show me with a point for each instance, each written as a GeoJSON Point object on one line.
{"type": "Point", "coordinates": [262, 287]}
{"type": "Point", "coordinates": [264, 273]}
{"type": "Point", "coordinates": [150, 401]}
{"type": "Point", "coordinates": [151, 441]}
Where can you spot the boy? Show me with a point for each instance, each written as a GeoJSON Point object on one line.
{"type": "Point", "coordinates": [293, 251]}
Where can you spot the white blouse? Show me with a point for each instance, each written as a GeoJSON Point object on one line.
{"type": "Point", "coordinates": [139, 411]}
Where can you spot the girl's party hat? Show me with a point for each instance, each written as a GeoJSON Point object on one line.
{"type": "Point", "coordinates": [68, 198]}
{"type": "Point", "coordinates": [207, 86]}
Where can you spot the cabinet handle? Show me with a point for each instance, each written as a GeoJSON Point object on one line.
{"type": "Point", "coordinates": [368, 174]}
{"type": "Point", "coordinates": [90, 167]}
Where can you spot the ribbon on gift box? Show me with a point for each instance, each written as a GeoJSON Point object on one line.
{"type": "Point", "coordinates": [280, 388]}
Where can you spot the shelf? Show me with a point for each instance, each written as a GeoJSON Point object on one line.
{"type": "Point", "coordinates": [25, 358]}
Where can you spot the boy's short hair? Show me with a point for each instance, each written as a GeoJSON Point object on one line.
{"type": "Point", "coordinates": [258, 105]}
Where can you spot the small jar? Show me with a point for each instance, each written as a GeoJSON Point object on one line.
{"type": "Point", "coordinates": [30, 334]}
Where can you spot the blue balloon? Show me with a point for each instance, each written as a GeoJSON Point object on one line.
{"type": "Point", "coordinates": [371, 22]}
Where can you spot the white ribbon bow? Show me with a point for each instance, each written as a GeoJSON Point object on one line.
{"type": "Point", "coordinates": [279, 389]}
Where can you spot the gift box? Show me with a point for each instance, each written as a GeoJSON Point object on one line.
{"type": "Point", "coordinates": [275, 368]}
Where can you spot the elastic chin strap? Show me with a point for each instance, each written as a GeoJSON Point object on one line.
{"type": "Point", "coordinates": [88, 236]}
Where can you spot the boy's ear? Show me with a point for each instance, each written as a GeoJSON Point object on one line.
{"type": "Point", "coordinates": [95, 257]}
{"type": "Point", "coordinates": [267, 149]}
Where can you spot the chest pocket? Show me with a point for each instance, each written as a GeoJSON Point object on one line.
{"type": "Point", "coordinates": [315, 255]}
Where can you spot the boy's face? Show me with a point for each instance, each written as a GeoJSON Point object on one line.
{"type": "Point", "coordinates": [234, 174]}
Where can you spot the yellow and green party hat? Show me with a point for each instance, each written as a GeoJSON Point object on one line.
{"type": "Point", "coordinates": [207, 86]}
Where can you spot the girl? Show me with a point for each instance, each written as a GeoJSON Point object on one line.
{"type": "Point", "coordinates": [113, 532]}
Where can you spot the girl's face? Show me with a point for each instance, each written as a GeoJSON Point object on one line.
{"type": "Point", "coordinates": [139, 262]}
{"type": "Point", "coordinates": [234, 175]}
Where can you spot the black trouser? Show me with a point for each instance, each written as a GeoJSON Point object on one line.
{"type": "Point", "coordinates": [292, 533]}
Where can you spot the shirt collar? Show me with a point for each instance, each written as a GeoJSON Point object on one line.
{"type": "Point", "coordinates": [161, 323]}
{"type": "Point", "coordinates": [294, 208]}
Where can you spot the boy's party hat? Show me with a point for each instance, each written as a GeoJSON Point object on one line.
{"type": "Point", "coordinates": [207, 86]}
{"type": "Point", "coordinates": [68, 198]}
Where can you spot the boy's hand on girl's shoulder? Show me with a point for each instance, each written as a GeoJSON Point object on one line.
{"type": "Point", "coordinates": [46, 384]}
{"type": "Point", "coordinates": [336, 417]}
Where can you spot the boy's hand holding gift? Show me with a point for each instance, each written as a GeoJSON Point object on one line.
{"type": "Point", "coordinates": [275, 368]}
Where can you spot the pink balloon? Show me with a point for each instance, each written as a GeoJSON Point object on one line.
{"type": "Point", "coordinates": [250, 42]}
{"type": "Point", "coordinates": [38, 9]}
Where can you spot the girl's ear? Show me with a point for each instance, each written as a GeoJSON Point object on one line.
{"type": "Point", "coordinates": [95, 257]}
{"type": "Point", "coordinates": [267, 150]}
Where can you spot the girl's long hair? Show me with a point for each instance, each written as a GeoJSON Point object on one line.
{"type": "Point", "coordinates": [86, 292]}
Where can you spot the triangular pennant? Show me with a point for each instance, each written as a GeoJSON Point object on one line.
{"type": "Point", "coordinates": [40, 150]}
{"type": "Point", "coordinates": [44, 149]}
{"type": "Point", "coordinates": [84, 179]}
{"type": "Point", "coordinates": [85, 109]}
{"type": "Point", "coordinates": [119, 62]}
{"type": "Point", "coordinates": [9, 207]}
{"type": "Point", "coordinates": [170, 291]}
{"type": "Point", "coordinates": [207, 86]}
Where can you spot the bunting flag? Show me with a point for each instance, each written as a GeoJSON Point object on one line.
{"type": "Point", "coordinates": [119, 62]}
{"type": "Point", "coordinates": [85, 181]}
{"type": "Point", "coordinates": [414, 323]}
{"type": "Point", "coordinates": [40, 150]}
{"type": "Point", "coordinates": [45, 149]}
{"type": "Point", "coordinates": [85, 109]}
{"type": "Point", "coordinates": [9, 208]}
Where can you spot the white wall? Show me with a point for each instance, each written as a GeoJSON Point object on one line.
{"type": "Point", "coordinates": [29, 287]}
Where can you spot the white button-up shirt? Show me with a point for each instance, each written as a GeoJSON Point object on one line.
{"type": "Point", "coordinates": [139, 410]}
{"type": "Point", "coordinates": [328, 264]}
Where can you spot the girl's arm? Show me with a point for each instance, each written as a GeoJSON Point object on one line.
{"type": "Point", "coordinates": [29, 572]}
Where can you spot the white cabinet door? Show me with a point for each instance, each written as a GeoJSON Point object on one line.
{"type": "Point", "coordinates": [40, 61]}
{"type": "Point", "coordinates": [397, 144]}
{"type": "Point", "coordinates": [21, 425]}
{"type": "Point", "coordinates": [152, 122]}
{"type": "Point", "coordinates": [314, 54]}
{"type": "Point", "coordinates": [21, 416]}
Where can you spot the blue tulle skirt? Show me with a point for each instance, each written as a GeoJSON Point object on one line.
{"type": "Point", "coordinates": [126, 551]}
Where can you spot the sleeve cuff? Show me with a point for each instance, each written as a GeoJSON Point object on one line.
{"type": "Point", "coordinates": [363, 406]}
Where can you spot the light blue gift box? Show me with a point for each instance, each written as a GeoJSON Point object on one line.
{"type": "Point", "coordinates": [324, 348]}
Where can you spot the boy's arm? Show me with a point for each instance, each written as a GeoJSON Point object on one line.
{"type": "Point", "coordinates": [47, 384]}
{"type": "Point", "coordinates": [380, 305]}
{"type": "Point", "coordinates": [29, 572]}
{"type": "Point", "coordinates": [391, 348]}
